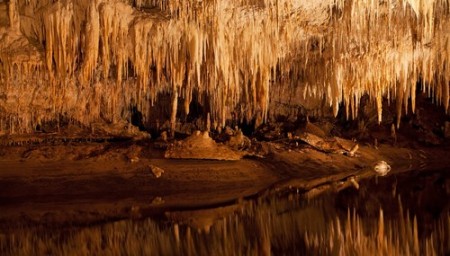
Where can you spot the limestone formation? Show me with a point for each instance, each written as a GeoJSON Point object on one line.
{"type": "Point", "coordinates": [329, 145]}
{"type": "Point", "coordinates": [91, 61]}
{"type": "Point", "coordinates": [201, 146]}
{"type": "Point", "coordinates": [157, 171]}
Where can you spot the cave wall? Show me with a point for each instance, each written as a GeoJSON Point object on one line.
{"type": "Point", "coordinates": [92, 61]}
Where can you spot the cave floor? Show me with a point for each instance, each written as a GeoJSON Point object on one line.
{"type": "Point", "coordinates": [90, 182]}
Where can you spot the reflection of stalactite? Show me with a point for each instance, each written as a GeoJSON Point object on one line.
{"type": "Point", "coordinates": [235, 51]}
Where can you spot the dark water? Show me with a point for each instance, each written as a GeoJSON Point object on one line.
{"type": "Point", "coordinates": [402, 214]}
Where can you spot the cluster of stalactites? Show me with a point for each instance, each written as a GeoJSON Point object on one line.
{"type": "Point", "coordinates": [236, 51]}
{"type": "Point", "coordinates": [385, 48]}
{"type": "Point", "coordinates": [229, 51]}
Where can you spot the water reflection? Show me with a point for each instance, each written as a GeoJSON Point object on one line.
{"type": "Point", "coordinates": [403, 214]}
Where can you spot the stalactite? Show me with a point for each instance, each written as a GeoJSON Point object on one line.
{"type": "Point", "coordinates": [13, 13]}
{"type": "Point", "coordinates": [92, 43]}
{"type": "Point", "coordinates": [246, 56]}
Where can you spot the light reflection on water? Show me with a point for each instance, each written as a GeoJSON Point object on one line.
{"type": "Point", "coordinates": [406, 214]}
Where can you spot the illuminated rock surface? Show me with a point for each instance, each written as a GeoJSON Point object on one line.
{"type": "Point", "coordinates": [91, 61]}
{"type": "Point", "coordinates": [201, 146]}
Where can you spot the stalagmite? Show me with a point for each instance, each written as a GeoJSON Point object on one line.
{"type": "Point", "coordinates": [173, 115]}
{"type": "Point", "coordinates": [91, 61]}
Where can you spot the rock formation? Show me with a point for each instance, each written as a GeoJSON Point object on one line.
{"type": "Point", "coordinates": [92, 61]}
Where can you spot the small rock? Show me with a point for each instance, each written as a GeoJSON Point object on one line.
{"type": "Point", "coordinates": [157, 172]}
{"type": "Point", "coordinates": [354, 182]}
{"type": "Point", "coordinates": [382, 168]}
{"type": "Point", "coordinates": [134, 159]}
{"type": "Point", "coordinates": [353, 150]}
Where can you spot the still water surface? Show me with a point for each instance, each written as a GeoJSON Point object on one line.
{"type": "Point", "coordinates": [401, 214]}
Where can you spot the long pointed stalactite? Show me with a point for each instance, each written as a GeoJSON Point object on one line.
{"type": "Point", "coordinates": [90, 61]}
